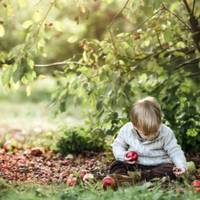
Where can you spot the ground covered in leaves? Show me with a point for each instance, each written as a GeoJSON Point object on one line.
{"type": "Point", "coordinates": [38, 166]}
{"type": "Point", "coordinates": [38, 174]}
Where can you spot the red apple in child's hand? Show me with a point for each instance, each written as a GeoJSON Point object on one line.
{"type": "Point", "coordinates": [132, 155]}
{"type": "Point", "coordinates": [109, 182]}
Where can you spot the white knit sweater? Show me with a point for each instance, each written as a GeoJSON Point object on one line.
{"type": "Point", "coordinates": [162, 149]}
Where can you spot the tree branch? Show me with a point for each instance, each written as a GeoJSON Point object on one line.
{"type": "Point", "coordinates": [111, 23]}
{"type": "Point", "coordinates": [194, 24]}
{"type": "Point", "coordinates": [147, 19]}
{"type": "Point", "coordinates": [187, 7]}
{"type": "Point", "coordinates": [194, 75]}
{"type": "Point", "coordinates": [193, 6]}
{"type": "Point", "coordinates": [193, 61]}
{"type": "Point", "coordinates": [58, 64]}
{"type": "Point", "coordinates": [174, 14]}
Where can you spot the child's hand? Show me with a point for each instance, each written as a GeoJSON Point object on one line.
{"type": "Point", "coordinates": [178, 171]}
{"type": "Point", "coordinates": [129, 161]}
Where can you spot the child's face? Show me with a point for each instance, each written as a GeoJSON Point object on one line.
{"type": "Point", "coordinates": [150, 136]}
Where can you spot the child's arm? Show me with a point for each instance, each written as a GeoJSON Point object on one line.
{"type": "Point", "coordinates": [174, 150]}
{"type": "Point", "coordinates": [119, 146]}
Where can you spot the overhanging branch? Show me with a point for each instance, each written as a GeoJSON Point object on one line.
{"type": "Point", "coordinates": [193, 61]}
{"type": "Point", "coordinates": [61, 63]}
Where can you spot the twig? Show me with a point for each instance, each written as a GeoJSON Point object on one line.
{"type": "Point", "coordinates": [194, 24]}
{"type": "Point", "coordinates": [112, 21]}
{"type": "Point", "coordinates": [193, 6]}
{"type": "Point", "coordinates": [193, 61]}
{"type": "Point", "coordinates": [164, 7]}
{"type": "Point", "coordinates": [193, 75]}
{"type": "Point", "coordinates": [35, 33]}
{"type": "Point", "coordinates": [187, 7]}
{"type": "Point", "coordinates": [45, 16]}
{"type": "Point", "coordinates": [58, 64]}
{"type": "Point", "coordinates": [113, 41]}
{"type": "Point", "coordinates": [158, 38]}
{"type": "Point", "coordinates": [146, 20]}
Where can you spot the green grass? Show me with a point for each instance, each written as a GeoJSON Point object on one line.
{"type": "Point", "coordinates": [95, 192]}
{"type": "Point", "coordinates": [28, 112]}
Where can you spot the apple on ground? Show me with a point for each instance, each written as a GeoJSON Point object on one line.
{"type": "Point", "coordinates": [83, 172]}
{"type": "Point", "coordinates": [71, 180]}
{"type": "Point", "coordinates": [8, 146]}
{"type": "Point", "coordinates": [108, 181]}
{"type": "Point", "coordinates": [36, 151]}
{"type": "Point", "coordinates": [197, 189]}
{"type": "Point", "coordinates": [196, 183]}
{"type": "Point", "coordinates": [88, 177]}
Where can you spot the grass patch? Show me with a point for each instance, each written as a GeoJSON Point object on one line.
{"type": "Point", "coordinates": [95, 192]}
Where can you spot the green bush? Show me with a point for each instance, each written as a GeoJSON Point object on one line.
{"type": "Point", "coordinates": [78, 140]}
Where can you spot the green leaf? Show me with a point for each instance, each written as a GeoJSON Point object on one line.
{"type": "Point", "coordinates": [18, 73]}
{"type": "Point", "coordinates": [2, 30]}
{"type": "Point", "coordinates": [99, 105]}
{"type": "Point", "coordinates": [30, 63]}
{"type": "Point", "coordinates": [27, 24]}
{"type": "Point", "coordinates": [37, 16]}
{"type": "Point", "coordinates": [21, 3]}
{"type": "Point", "coordinates": [193, 132]}
{"type": "Point", "coordinates": [28, 90]}
{"type": "Point", "coordinates": [58, 26]}
{"type": "Point", "coordinates": [6, 74]}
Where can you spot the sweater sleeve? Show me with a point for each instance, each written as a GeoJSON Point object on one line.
{"type": "Point", "coordinates": [174, 150]}
{"type": "Point", "coordinates": [119, 146]}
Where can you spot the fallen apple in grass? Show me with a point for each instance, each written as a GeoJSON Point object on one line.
{"type": "Point", "coordinates": [196, 183]}
{"type": "Point", "coordinates": [83, 172]}
{"type": "Point", "coordinates": [71, 180]}
{"type": "Point", "coordinates": [197, 189]}
{"type": "Point", "coordinates": [132, 155]}
{"type": "Point", "coordinates": [36, 151]}
{"type": "Point", "coordinates": [108, 181]}
{"type": "Point", "coordinates": [9, 146]}
{"type": "Point", "coordinates": [88, 177]}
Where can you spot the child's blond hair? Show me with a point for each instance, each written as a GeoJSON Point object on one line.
{"type": "Point", "coordinates": [146, 115]}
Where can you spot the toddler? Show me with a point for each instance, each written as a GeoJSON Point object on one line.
{"type": "Point", "coordinates": [155, 143]}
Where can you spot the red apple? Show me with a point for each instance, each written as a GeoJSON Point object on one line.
{"type": "Point", "coordinates": [136, 36]}
{"type": "Point", "coordinates": [133, 155]}
{"type": "Point", "coordinates": [88, 177]}
{"type": "Point", "coordinates": [108, 181]}
{"type": "Point", "coordinates": [83, 172]}
{"type": "Point", "coordinates": [197, 189]}
{"type": "Point", "coordinates": [7, 146]}
{"type": "Point", "coordinates": [196, 183]}
{"type": "Point", "coordinates": [36, 151]}
{"type": "Point", "coordinates": [71, 181]}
